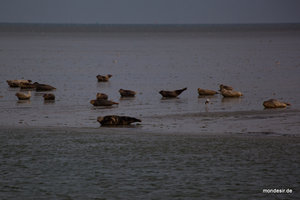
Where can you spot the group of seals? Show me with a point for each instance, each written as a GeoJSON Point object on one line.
{"type": "Point", "coordinates": [26, 84]}
{"type": "Point", "coordinates": [102, 99]}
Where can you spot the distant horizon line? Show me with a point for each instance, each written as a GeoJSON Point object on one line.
{"type": "Point", "coordinates": [61, 27]}
{"type": "Point", "coordinates": [152, 24]}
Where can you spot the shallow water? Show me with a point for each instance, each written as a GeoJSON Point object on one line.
{"type": "Point", "coordinates": [262, 65]}
{"type": "Point", "coordinates": [183, 149]}
{"type": "Point", "coordinates": [56, 163]}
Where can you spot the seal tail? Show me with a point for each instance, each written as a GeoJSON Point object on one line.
{"type": "Point", "coordinates": [180, 91]}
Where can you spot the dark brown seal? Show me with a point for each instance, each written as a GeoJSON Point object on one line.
{"type": "Point", "coordinates": [28, 86]}
{"type": "Point", "coordinates": [43, 87]}
{"type": "Point", "coordinates": [49, 96]}
{"type": "Point", "coordinates": [114, 120]}
{"type": "Point", "coordinates": [102, 78]}
{"type": "Point", "coordinates": [171, 94]}
{"type": "Point", "coordinates": [226, 87]}
{"type": "Point", "coordinates": [16, 83]}
{"type": "Point", "coordinates": [274, 103]}
{"type": "Point", "coordinates": [101, 96]}
{"type": "Point", "coordinates": [127, 93]}
{"type": "Point", "coordinates": [102, 102]}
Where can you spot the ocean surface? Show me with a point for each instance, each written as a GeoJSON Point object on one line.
{"type": "Point", "coordinates": [183, 148]}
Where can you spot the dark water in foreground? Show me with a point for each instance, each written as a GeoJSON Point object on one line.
{"type": "Point", "coordinates": [127, 164]}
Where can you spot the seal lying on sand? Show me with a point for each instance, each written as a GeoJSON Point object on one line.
{"type": "Point", "coordinates": [203, 92]}
{"type": "Point", "coordinates": [226, 87]}
{"type": "Point", "coordinates": [103, 78]}
{"type": "Point", "coordinates": [230, 93]}
{"type": "Point", "coordinates": [171, 94]}
{"type": "Point", "coordinates": [113, 120]}
{"type": "Point", "coordinates": [273, 103]}
{"type": "Point", "coordinates": [23, 96]}
{"type": "Point", "coordinates": [102, 102]}
{"type": "Point", "coordinates": [43, 87]}
{"type": "Point", "coordinates": [101, 96]}
{"type": "Point", "coordinates": [48, 97]}
{"type": "Point", "coordinates": [16, 83]}
{"type": "Point", "coordinates": [127, 93]}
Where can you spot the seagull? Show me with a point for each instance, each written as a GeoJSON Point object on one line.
{"type": "Point", "coordinates": [207, 101]}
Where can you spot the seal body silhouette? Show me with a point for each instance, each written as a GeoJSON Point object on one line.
{"type": "Point", "coordinates": [102, 78]}
{"type": "Point", "coordinates": [49, 97]}
{"type": "Point", "coordinates": [101, 96]}
{"type": "Point", "coordinates": [226, 87]}
{"type": "Point", "coordinates": [23, 96]}
{"type": "Point", "coordinates": [171, 94]}
{"type": "Point", "coordinates": [203, 92]}
{"type": "Point", "coordinates": [102, 102]}
{"type": "Point", "coordinates": [127, 93]}
{"type": "Point", "coordinates": [16, 83]}
{"type": "Point", "coordinates": [274, 103]}
{"type": "Point", "coordinates": [115, 120]}
{"type": "Point", "coordinates": [230, 93]}
{"type": "Point", "coordinates": [43, 87]}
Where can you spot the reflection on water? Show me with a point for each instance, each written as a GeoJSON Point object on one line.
{"type": "Point", "coordinates": [23, 102]}
{"type": "Point", "coordinates": [49, 102]}
{"type": "Point", "coordinates": [232, 100]}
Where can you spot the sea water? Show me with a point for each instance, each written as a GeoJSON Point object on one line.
{"type": "Point", "coordinates": [183, 148]}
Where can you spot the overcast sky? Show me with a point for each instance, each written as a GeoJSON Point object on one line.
{"type": "Point", "coordinates": [150, 11]}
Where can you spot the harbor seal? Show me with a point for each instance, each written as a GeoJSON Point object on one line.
{"type": "Point", "coordinates": [127, 93]}
{"type": "Point", "coordinates": [115, 120]}
{"type": "Point", "coordinates": [230, 93]}
{"type": "Point", "coordinates": [49, 97]}
{"type": "Point", "coordinates": [274, 103]}
{"type": "Point", "coordinates": [102, 78]}
{"type": "Point", "coordinates": [16, 83]}
{"type": "Point", "coordinates": [102, 102]}
{"type": "Point", "coordinates": [23, 96]}
{"type": "Point", "coordinates": [101, 96]}
{"type": "Point", "coordinates": [204, 92]}
{"type": "Point", "coordinates": [171, 94]}
{"type": "Point", "coordinates": [226, 87]}
{"type": "Point", "coordinates": [43, 87]}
